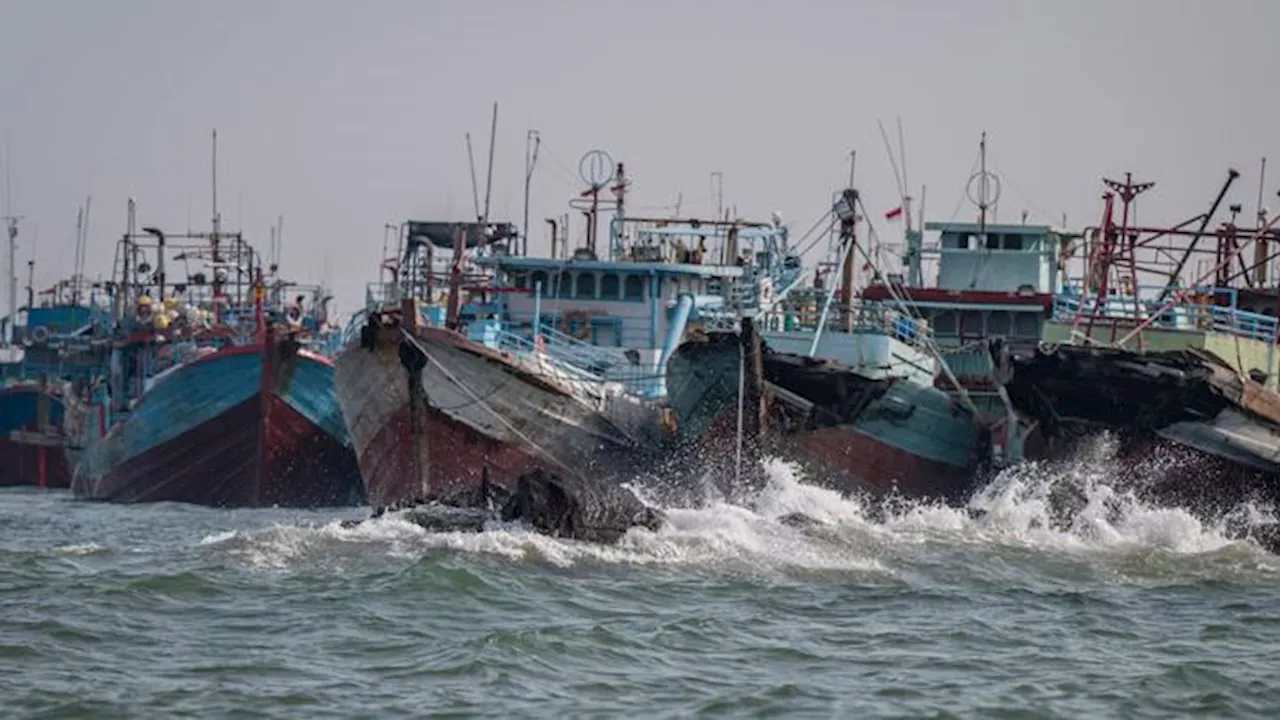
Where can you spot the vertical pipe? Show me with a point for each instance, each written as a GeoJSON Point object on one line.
{"type": "Point", "coordinates": [537, 314]}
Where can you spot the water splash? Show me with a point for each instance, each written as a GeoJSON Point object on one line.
{"type": "Point", "coordinates": [1076, 509]}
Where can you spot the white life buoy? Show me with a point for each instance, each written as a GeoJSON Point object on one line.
{"type": "Point", "coordinates": [40, 334]}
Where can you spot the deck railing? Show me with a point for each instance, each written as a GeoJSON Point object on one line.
{"type": "Point", "coordinates": [1187, 310]}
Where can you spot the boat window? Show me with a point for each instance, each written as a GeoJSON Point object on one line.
{"type": "Point", "coordinates": [955, 241]}
{"type": "Point", "coordinates": [1012, 242]}
{"type": "Point", "coordinates": [993, 241]}
{"type": "Point", "coordinates": [1026, 324]}
{"type": "Point", "coordinates": [539, 277]}
{"type": "Point", "coordinates": [944, 323]}
{"type": "Point", "coordinates": [633, 288]}
{"type": "Point", "coordinates": [564, 284]}
{"type": "Point", "coordinates": [609, 286]}
{"type": "Point", "coordinates": [971, 323]}
{"type": "Point", "coordinates": [1000, 322]}
{"type": "Point", "coordinates": [586, 287]}
{"type": "Point", "coordinates": [519, 280]}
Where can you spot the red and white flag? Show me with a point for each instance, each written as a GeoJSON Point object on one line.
{"type": "Point", "coordinates": [894, 214]}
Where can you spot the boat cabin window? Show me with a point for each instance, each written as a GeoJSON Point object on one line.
{"type": "Point", "coordinates": [1012, 242]}
{"type": "Point", "coordinates": [993, 241]}
{"type": "Point", "coordinates": [944, 323]}
{"type": "Point", "coordinates": [971, 323]}
{"type": "Point", "coordinates": [633, 288]}
{"type": "Point", "coordinates": [955, 241]}
{"type": "Point", "coordinates": [539, 277]}
{"type": "Point", "coordinates": [1026, 324]}
{"type": "Point", "coordinates": [520, 281]}
{"type": "Point", "coordinates": [1000, 322]}
{"type": "Point", "coordinates": [564, 284]}
{"type": "Point", "coordinates": [609, 286]}
{"type": "Point", "coordinates": [586, 286]}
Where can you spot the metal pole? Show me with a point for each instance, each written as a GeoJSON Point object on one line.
{"type": "Point", "coordinates": [13, 280]}
{"type": "Point", "coordinates": [742, 379]}
{"type": "Point", "coordinates": [488, 189]}
{"type": "Point", "coordinates": [530, 161]}
{"type": "Point", "coordinates": [719, 177]}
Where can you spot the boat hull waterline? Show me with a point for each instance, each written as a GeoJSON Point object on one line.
{"type": "Point", "coordinates": [248, 426]}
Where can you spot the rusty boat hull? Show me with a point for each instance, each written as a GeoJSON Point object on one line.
{"type": "Point", "coordinates": [37, 422]}
{"type": "Point", "coordinates": [440, 412]}
{"type": "Point", "coordinates": [247, 426]}
{"type": "Point", "coordinates": [1190, 429]}
{"type": "Point", "coordinates": [882, 437]}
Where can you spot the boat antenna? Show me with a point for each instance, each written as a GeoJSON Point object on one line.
{"type": "Point", "coordinates": [530, 161]}
{"type": "Point", "coordinates": [215, 238]}
{"type": "Point", "coordinates": [488, 183]}
{"type": "Point", "coordinates": [893, 162]}
{"type": "Point", "coordinates": [982, 183]}
{"type": "Point", "coordinates": [75, 259]}
{"type": "Point", "coordinates": [475, 190]}
{"type": "Point", "coordinates": [906, 184]}
{"type": "Point", "coordinates": [718, 176]}
{"type": "Point", "coordinates": [1259, 241]}
{"type": "Point", "coordinates": [11, 227]}
{"type": "Point", "coordinates": [214, 182]}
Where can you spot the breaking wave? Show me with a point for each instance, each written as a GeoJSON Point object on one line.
{"type": "Point", "coordinates": [1074, 511]}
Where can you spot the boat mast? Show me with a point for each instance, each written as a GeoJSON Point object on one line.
{"type": "Point", "coordinates": [848, 231]}
{"type": "Point", "coordinates": [216, 237]}
{"type": "Point", "coordinates": [1259, 237]}
{"type": "Point", "coordinates": [982, 187]}
{"type": "Point", "coordinates": [530, 161]}
{"type": "Point", "coordinates": [488, 183]}
{"type": "Point", "coordinates": [11, 225]}
{"type": "Point", "coordinates": [475, 189]}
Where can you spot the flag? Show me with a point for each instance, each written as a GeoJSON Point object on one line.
{"type": "Point", "coordinates": [894, 214]}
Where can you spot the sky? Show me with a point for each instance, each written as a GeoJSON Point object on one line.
{"type": "Point", "coordinates": [344, 116]}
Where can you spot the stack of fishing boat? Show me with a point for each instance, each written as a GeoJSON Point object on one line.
{"type": "Point", "coordinates": [847, 391]}
{"type": "Point", "coordinates": [1173, 370]}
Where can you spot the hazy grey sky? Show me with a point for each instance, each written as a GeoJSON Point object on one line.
{"type": "Point", "coordinates": [342, 116]}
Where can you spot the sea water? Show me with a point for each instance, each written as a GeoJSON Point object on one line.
{"type": "Point", "coordinates": [1010, 607]}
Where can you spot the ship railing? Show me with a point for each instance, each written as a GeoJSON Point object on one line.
{"type": "Point", "coordinates": [860, 316]}
{"type": "Point", "coordinates": [1192, 311]}
{"type": "Point", "coordinates": [572, 356]}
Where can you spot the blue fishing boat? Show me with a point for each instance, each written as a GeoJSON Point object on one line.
{"type": "Point", "coordinates": [216, 395]}
{"type": "Point", "coordinates": [48, 365]}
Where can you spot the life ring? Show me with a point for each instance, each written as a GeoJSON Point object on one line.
{"type": "Point", "coordinates": [293, 315]}
{"type": "Point", "coordinates": [584, 331]}
{"type": "Point", "coordinates": [143, 313]}
{"type": "Point", "coordinates": [40, 334]}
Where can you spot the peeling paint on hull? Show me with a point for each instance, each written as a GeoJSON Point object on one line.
{"type": "Point", "coordinates": [213, 433]}
{"type": "Point", "coordinates": [489, 410]}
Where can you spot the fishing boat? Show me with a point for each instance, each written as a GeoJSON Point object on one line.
{"type": "Point", "coordinates": [845, 389]}
{"type": "Point", "coordinates": [975, 281]}
{"type": "Point", "coordinates": [48, 366]}
{"type": "Point", "coordinates": [433, 405]}
{"type": "Point", "coordinates": [1171, 368]}
{"type": "Point", "coordinates": [215, 396]}
{"type": "Point", "coordinates": [564, 353]}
